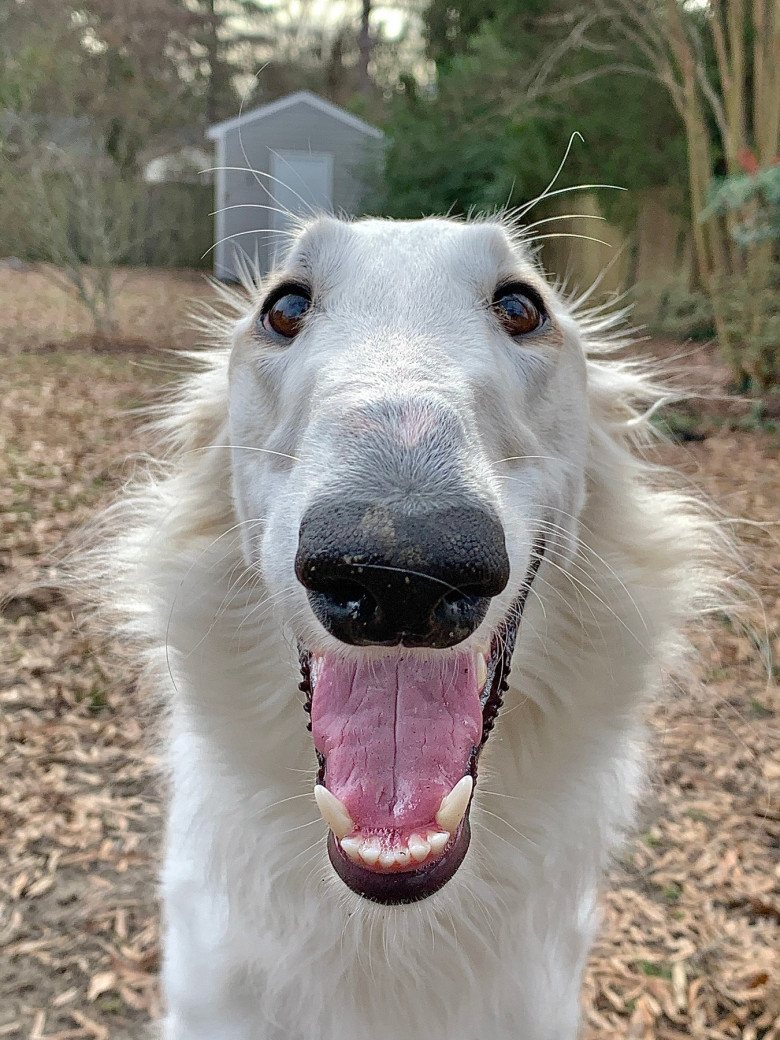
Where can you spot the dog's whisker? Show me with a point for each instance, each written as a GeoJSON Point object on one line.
{"type": "Point", "coordinates": [582, 563]}
{"type": "Point", "coordinates": [250, 205]}
{"type": "Point", "coordinates": [572, 234]}
{"type": "Point", "coordinates": [561, 216]}
{"type": "Point", "coordinates": [301, 826]}
{"type": "Point", "coordinates": [260, 610]}
{"type": "Point", "coordinates": [516, 849]}
{"type": "Point", "coordinates": [523, 458]}
{"type": "Point", "coordinates": [588, 549]}
{"type": "Point", "coordinates": [240, 234]}
{"type": "Point", "coordinates": [502, 794]}
{"type": "Point", "coordinates": [190, 569]}
{"type": "Point", "coordinates": [242, 447]}
{"type": "Point", "coordinates": [520, 834]}
{"type": "Point", "coordinates": [580, 592]}
{"type": "Point", "coordinates": [522, 210]}
{"type": "Point", "coordinates": [309, 848]}
{"type": "Point", "coordinates": [410, 573]}
{"type": "Point", "coordinates": [283, 801]}
{"type": "Point", "coordinates": [582, 549]}
{"type": "Point", "coordinates": [293, 217]}
{"type": "Point", "coordinates": [602, 602]}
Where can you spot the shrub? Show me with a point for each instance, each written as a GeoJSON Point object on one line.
{"type": "Point", "coordinates": [681, 313]}
{"type": "Point", "coordinates": [748, 301]}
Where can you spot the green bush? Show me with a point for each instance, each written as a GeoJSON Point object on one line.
{"type": "Point", "coordinates": [751, 308]}
{"type": "Point", "coordinates": [673, 310]}
{"type": "Point", "coordinates": [748, 299]}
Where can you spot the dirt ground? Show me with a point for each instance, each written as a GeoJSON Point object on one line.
{"type": "Point", "coordinates": [690, 940]}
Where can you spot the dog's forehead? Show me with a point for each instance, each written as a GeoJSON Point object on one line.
{"type": "Point", "coordinates": [413, 253]}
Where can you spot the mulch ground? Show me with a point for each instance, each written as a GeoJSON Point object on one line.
{"type": "Point", "coordinates": [690, 942]}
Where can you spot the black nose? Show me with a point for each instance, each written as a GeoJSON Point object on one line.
{"type": "Point", "coordinates": [378, 574]}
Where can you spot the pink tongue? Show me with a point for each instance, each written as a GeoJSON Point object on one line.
{"type": "Point", "coordinates": [397, 733]}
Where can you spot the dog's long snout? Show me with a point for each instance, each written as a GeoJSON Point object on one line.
{"type": "Point", "coordinates": [377, 574]}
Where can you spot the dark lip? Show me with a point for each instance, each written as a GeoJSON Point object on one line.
{"type": "Point", "coordinates": [408, 886]}
{"type": "Point", "coordinates": [411, 886]}
{"type": "Point", "coordinates": [502, 648]}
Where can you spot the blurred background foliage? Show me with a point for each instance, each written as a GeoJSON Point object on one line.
{"type": "Point", "coordinates": [508, 93]}
{"type": "Point", "coordinates": [677, 101]}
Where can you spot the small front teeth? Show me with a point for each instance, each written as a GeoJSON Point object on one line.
{"type": "Point", "coordinates": [402, 856]}
{"type": "Point", "coordinates": [370, 851]}
{"type": "Point", "coordinates": [352, 847]}
{"type": "Point", "coordinates": [419, 848]}
{"type": "Point", "coordinates": [453, 805]}
{"type": "Point", "coordinates": [438, 840]}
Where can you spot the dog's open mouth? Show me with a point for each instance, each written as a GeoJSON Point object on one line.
{"type": "Point", "coordinates": [398, 739]}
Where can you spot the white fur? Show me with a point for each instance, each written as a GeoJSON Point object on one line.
{"type": "Point", "coordinates": [263, 941]}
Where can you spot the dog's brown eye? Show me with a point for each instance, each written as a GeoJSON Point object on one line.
{"type": "Point", "coordinates": [285, 314]}
{"type": "Point", "coordinates": [519, 310]}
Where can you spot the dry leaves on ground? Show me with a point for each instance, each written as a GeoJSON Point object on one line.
{"type": "Point", "coordinates": [689, 945]}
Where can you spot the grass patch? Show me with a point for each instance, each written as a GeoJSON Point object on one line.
{"type": "Point", "coordinates": [698, 816]}
{"type": "Point", "coordinates": [654, 970]}
{"type": "Point", "coordinates": [679, 425]}
{"type": "Point", "coordinates": [760, 711]}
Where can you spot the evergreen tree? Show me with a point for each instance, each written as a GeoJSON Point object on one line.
{"type": "Point", "coordinates": [513, 81]}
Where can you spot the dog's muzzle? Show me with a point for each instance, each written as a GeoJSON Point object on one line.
{"type": "Point", "coordinates": [398, 732]}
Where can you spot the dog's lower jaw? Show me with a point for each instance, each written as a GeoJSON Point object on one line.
{"type": "Point", "coordinates": [381, 887]}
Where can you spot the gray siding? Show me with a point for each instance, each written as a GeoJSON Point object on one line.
{"type": "Point", "coordinates": [299, 128]}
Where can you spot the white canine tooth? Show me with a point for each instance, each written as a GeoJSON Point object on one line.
{"type": "Point", "coordinates": [334, 812]}
{"type": "Point", "coordinates": [482, 672]}
{"type": "Point", "coordinates": [419, 848]}
{"type": "Point", "coordinates": [454, 805]}
{"type": "Point", "coordinates": [387, 858]}
{"type": "Point", "coordinates": [370, 851]}
{"type": "Point", "coordinates": [352, 848]}
{"type": "Point", "coordinates": [438, 839]}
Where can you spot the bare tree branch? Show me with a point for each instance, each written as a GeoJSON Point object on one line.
{"type": "Point", "coordinates": [707, 88]}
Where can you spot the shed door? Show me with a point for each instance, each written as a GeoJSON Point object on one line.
{"type": "Point", "coordinates": [303, 182]}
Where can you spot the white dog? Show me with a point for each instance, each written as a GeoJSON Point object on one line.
{"type": "Point", "coordinates": [413, 468]}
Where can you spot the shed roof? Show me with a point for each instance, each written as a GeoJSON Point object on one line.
{"type": "Point", "coordinates": [300, 97]}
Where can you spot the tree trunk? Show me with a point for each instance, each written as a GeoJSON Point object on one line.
{"type": "Point", "coordinates": [212, 51]}
{"type": "Point", "coordinates": [365, 45]}
{"type": "Point", "coordinates": [742, 103]}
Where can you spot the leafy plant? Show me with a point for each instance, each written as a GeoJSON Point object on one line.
{"type": "Point", "coordinates": [748, 298]}
{"type": "Point", "coordinates": [751, 200]}
{"type": "Point", "coordinates": [679, 425]}
{"type": "Point", "coordinates": [751, 314]}
{"type": "Point", "coordinates": [682, 313]}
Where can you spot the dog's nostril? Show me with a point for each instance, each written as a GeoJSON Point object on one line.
{"type": "Point", "coordinates": [458, 596]}
{"type": "Point", "coordinates": [420, 580]}
{"type": "Point", "coordinates": [347, 596]}
{"type": "Point", "coordinates": [344, 594]}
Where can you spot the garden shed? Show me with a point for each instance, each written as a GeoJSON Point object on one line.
{"type": "Point", "coordinates": [308, 154]}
